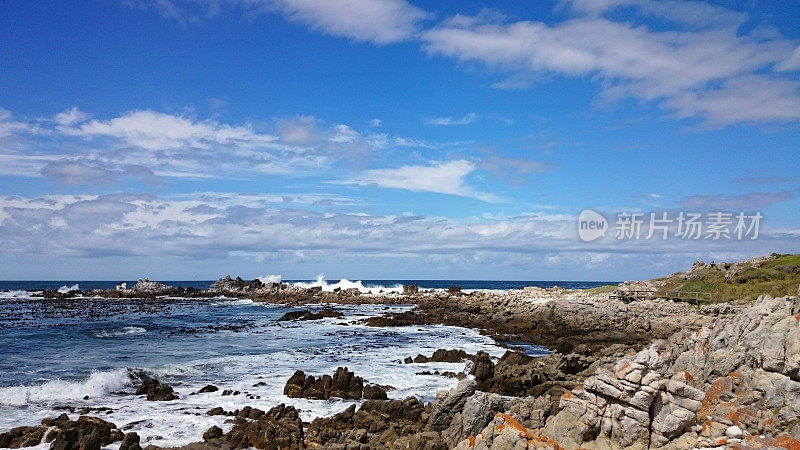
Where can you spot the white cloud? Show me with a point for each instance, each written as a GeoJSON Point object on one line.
{"type": "Point", "coordinates": [676, 67]}
{"type": "Point", "coordinates": [465, 120]}
{"type": "Point", "coordinates": [379, 21]}
{"type": "Point", "coordinates": [9, 126]}
{"type": "Point", "coordinates": [153, 130]}
{"type": "Point", "coordinates": [443, 177]}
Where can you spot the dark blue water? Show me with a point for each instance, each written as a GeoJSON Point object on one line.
{"type": "Point", "coordinates": [423, 284]}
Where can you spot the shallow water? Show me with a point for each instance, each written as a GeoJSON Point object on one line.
{"type": "Point", "coordinates": [56, 353]}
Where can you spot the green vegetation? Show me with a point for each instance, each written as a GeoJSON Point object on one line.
{"type": "Point", "coordinates": [606, 289]}
{"type": "Point", "coordinates": [778, 276]}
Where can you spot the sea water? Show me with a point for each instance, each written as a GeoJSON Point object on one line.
{"type": "Point", "coordinates": [90, 352]}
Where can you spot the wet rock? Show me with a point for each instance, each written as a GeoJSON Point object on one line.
{"type": "Point", "coordinates": [130, 442]}
{"type": "Point", "coordinates": [309, 315]}
{"type": "Point", "coordinates": [156, 391]}
{"type": "Point", "coordinates": [343, 384]}
{"type": "Point", "coordinates": [278, 428]}
{"type": "Point", "coordinates": [86, 433]}
{"type": "Point", "coordinates": [207, 389]}
{"type": "Point", "coordinates": [214, 432]}
{"type": "Point", "coordinates": [22, 437]}
{"type": "Point", "coordinates": [375, 392]}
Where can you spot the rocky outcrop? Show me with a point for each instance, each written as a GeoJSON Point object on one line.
{"type": "Point", "coordinates": [732, 382]}
{"type": "Point", "coordinates": [343, 384]}
{"type": "Point", "coordinates": [375, 424]}
{"type": "Point", "coordinates": [278, 428]}
{"type": "Point", "coordinates": [147, 287]}
{"type": "Point", "coordinates": [156, 391]}
{"type": "Point", "coordinates": [85, 433]}
{"type": "Point", "coordinates": [441, 355]}
{"type": "Point", "coordinates": [506, 433]}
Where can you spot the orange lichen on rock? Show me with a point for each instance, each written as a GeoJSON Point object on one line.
{"type": "Point", "coordinates": [471, 441]}
{"type": "Point", "coordinates": [688, 376]}
{"type": "Point", "coordinates": [788, 442]}
{"type": "Point", "coordinates": [713, 395]}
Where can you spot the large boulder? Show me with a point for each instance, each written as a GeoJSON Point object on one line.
{"type": "Point", "coordinates": [156, 391]}
{"type": "Point", "coordinates": [343, 384]}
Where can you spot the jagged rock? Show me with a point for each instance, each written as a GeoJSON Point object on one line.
{"type": "Point", "coordinates": [343, 384]}
{"type": "Point", "coordinates": [478, 410]}
{"type": "Point", "coordinates": [375, 392]}
{"type": "Point", "coordinates": [145, 286]}
{"type": "Point", "coordinates": [443, 355]}
{"type": "Point", "coordinates": [130, 442]}
{"type": "Point", "coordinates": [156, 391]}
{"type": "Point", "coordinates": [404, 417]}
{"type": "Point", "coordinates": [280, 427]}
{"type": "Point", "coordinates": [22, 437]}
{"type": "Point", "coordinates": [506, 433]}
{"type": "Point", "coordinates": [208, 388]}
{"type": "Point", "coordinates": [214, 432]}
{"type": "Point", "coordinates": [448, 404]}
{"type": "Point", "coordinates": [86, 433]}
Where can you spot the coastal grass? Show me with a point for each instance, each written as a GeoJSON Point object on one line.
{"type": "Point", "coordinates": [778, 276]}
{"type": "Point", "coordinates": [605, 289]}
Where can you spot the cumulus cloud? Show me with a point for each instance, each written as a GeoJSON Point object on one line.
{"type": "Point", "coordinates": [73, 148]}
{"type": "Point", "coordinates": [679, 67]}
{"type": "Point", "coordinates": [441, 177]}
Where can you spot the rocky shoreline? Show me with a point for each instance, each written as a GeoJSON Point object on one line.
{"type": "Point", "coordinates": [647, 374]}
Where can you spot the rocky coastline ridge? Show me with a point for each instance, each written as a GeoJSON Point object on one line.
{"type": "Point", "coordinates": [652, 373]}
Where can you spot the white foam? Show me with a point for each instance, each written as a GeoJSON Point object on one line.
{"type": "Point", "coordinates": [270, 279]}
{"type": "Point", "coordinates": [124, 331]}
{"type": "Point", "coordinates": [65, 289]}
{"type": "Point", "coordinates": [98, 384]}
{"type": "Point", "coordinates": [344, 284]}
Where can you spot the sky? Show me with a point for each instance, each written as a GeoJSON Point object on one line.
{"type": "Point", "coordinates": [395, 139]}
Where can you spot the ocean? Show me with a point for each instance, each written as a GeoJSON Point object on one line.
{"type": "Point", "coordinates": [92, 353]}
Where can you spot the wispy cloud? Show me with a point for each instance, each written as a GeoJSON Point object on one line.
{"type": "Point", "coordinates": [464, 120]}
{"type": "Point", "coordinates": [377, 21]}
{"type": "Point", "coordinates": [744, 202]}
{"type": "Point", "coordinates": [441, 177]}
{"type": "Point", "coordinates": [701, 67]}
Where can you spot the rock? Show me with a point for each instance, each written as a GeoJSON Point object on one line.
{"type": "Point", "coordinates": [86, 433]}
{"type": "Point", "coordinates": [309, 315]}
{"type": "Point", "coordinates": [374, 392]}
{"type": "Point", "coordinates": [207, 389]}
{"type": "Point", "coordinates": [343, 384]}
{"type": "Point", "coordinates": [147, 287]}
{"type": "Point", "coordinates": [734, 432]}
{"type": "Point", "coordinates": [280, 427]}
{"type": "Point", "coordinates": [130, 442]}
{"type": "Point", "coordinates": [483, 369]}
{"type": "Point", "coordinates": [375, 417]}
{"type": "Point", "coordinates": [449, 404]}
{"type": "Point", "coordinates": [22, 437]}
{"type": "Point", "coordinates": [214, 432]}
{"type": "Point", "coordinates": [506, 433]}
{"type": "Point", "coordinates": [442, 355]}
{"type": "Point", "coordinates": [156, 391]}
{"type": "Point", "coordinates": [478, 410]}
{"type": "Point", "coordinates": [410, 289]}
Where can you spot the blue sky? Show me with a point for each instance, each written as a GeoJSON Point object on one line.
{"type": "Point", "coordinates": [389, 138]}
